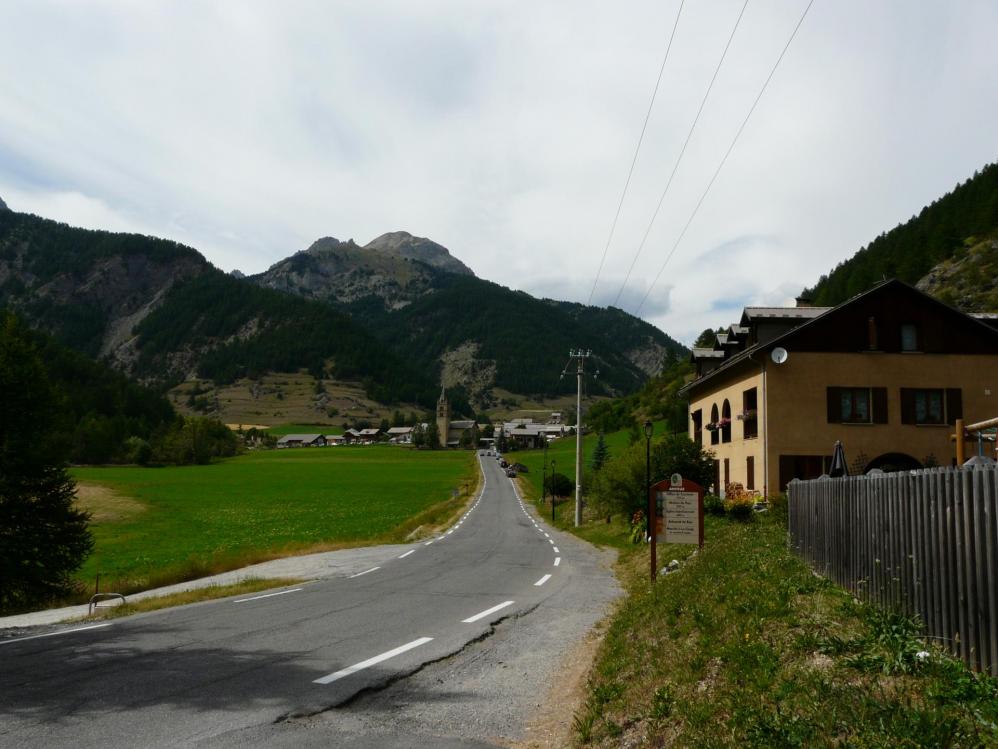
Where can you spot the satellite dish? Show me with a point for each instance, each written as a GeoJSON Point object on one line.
{"type": "Point", "coordinates": [779, 355]}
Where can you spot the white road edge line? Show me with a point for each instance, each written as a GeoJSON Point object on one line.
{"type": "Point", "coordinates": [542, 580]}
{"type": "Point", "coordinates": [557, 561]}
{"type": "Point", "coordinates": [267, 595]}
{"type": "Point", "coordinates": [485, 613]}
{"type": "Point", "coordinates": [556, 550]}
{"type": "Point", "coordinates": [337, 675]}
{"type": "Point", "coordinates": [411, 551]}
{"type": "Point", "coordinates": [53, 634]}
{"type": "Point", "coordinates": [365, 572]}
{"type": "Point", "coordinates": [429, 542]}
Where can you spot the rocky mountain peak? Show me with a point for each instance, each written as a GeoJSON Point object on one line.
{"type": "Point", "coordinates": [405, 245]}
{"type": "Point", "coordinates": [3, 206]}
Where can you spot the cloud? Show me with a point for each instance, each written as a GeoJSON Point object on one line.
{"type": "Point", "coordinates": [503, 130]}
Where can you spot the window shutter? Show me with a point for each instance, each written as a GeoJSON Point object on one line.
{"type": "Point", "coordinates": [750, 472]}
{"type": "Point", "coordinates": [954, 405]}
{"type": "Point", "coordinates": [879, 405]}
{"type": "Point", "coordinates": [834, 405]}
{"type": "Point", "coordinates": [907, 406]}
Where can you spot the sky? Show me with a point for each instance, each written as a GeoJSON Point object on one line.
{"type": "Point", "coordinates": [504, 130]}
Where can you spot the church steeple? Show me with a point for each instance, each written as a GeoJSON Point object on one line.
{"type": "Point", "coordinates": [443, 417]}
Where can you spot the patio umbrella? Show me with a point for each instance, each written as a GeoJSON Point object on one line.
{"type": "Point", "coordinates": [838, 467]}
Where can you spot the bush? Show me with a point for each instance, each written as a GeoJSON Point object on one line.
{"type": "Point", "coordinates": [713, 504]}
{"type": "Point", "coordinates": [559, 485]}
{"type": "Point", "coordinates": [738, 503]}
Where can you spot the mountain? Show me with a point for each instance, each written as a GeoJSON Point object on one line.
{"type": "Point", "coordinates": [399, 316]}
{"type": "Point", "coordinates": [428, 306]}
{"type": "Point", "coordinates": [486, 337]}
{"type": "Point", "coordinates": [968, 279]}
{"type": "Point", "coordinates": [942, 243]}
{"type": "Point", "coordinates": [3, 206]}
{"type": "Point", "coordinates": [160, 312]}
{"type": "Point", "coordinates": [395, 268]}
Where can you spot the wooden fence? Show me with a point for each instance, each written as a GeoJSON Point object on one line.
{"type": "Point", "coordinates": [924, 542]}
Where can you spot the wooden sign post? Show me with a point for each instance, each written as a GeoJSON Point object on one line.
{"type": "Point", "coordinates": [676, 504]}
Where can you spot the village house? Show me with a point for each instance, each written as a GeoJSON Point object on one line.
{"type": "Point", "coordinates": [887, 373]}
{"type": "Point", "coordinates": [400, 435]}
{"type": "Point", "coordinates": [301, 440]}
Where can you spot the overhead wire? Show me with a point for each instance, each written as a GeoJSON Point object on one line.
{"type": "Point", "coordinates": [682, 152]}
{"type": "Point", "coordinates": [637, 149]}
{"type": "Point", "coordinates": [724, 159]}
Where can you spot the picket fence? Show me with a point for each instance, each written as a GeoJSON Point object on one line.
{"type": "Point", "coordinates": [924, 542]}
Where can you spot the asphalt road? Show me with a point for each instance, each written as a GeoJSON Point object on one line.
{"type": "Point", "coordinates": [284, 668]}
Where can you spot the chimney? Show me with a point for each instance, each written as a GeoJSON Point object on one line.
{"type": "Point", "coordinates": [804, 300]}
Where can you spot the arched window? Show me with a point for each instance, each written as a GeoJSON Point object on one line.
{"type": "Point", "coordinates": [715, 431]}
{"type": "Point", "coordinates": [725, 425]}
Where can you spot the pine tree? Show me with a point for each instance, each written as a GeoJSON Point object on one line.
{"type": "Point", "coordinates": [601, 453]}
{"type": "Point", "coordinates": [43, 537]}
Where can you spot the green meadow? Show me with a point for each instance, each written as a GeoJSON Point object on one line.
{"type": "Point", "coordinates": [155, 526]}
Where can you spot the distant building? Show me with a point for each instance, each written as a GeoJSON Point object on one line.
{"type": "Point", "coordinates": [887, 373]}
{"type": "Point", "coordinates": [400, 435]}
{"type": "Point", "coordinates": [301, 440]}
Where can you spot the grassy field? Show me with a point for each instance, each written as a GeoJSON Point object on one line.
{"type": "Point", "coordinates": [153, 526]}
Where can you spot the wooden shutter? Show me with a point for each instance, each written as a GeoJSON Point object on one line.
{"type": "Point", "coordinates": [750, 472]}
{"type": "Point", "coordinates": [954, 405]}
{"type": "Point", "coordinates": [907, 406]}
{"type": "Point", "coordinates": [834, 400]}
{"type": "Point", "coordinates": [879, 405]}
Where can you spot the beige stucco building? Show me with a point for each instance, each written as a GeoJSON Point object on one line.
{"type": "Point", "coordinates": [887, 373]}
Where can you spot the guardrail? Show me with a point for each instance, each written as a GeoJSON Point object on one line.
{"type": "Point", "coordinates": [97, 598]}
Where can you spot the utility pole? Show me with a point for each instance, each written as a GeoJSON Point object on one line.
{"type": "Point", "coordinates": [580, 357]}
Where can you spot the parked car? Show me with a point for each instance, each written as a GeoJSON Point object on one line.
{"type": "Point", "coordinates": [520, 468]}
{"type": "Point", "coordinates": [511, 473]}
{"type": "Point", "coordinates": [503, 464]}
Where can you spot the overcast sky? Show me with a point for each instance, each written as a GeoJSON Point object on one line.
{"type": "Point", "coordinates": [504, 131]}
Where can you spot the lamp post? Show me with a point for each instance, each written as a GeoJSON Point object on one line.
{"type": "Point", "coordinates": [544, 476]}
{"type": "Point", "coordinates": [553, 499]}
{"type": "Point", "coordinates": [649, 430]}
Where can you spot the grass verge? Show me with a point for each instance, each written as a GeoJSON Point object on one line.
{"type": "Point", "coordinates": [211, 592]}
{"type": "Point", "coordinates": [744, 646]}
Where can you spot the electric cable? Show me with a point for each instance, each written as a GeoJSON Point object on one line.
{"type": "Point", "coordinates": [724, 158]}
{"type": "Point", "coordinates": [634, 160]}
{"type": "Point", "coordinates": [682, 152]}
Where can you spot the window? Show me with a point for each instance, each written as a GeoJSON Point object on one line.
{"type": "Point", "coordinates": [931, 406]}
{"type": "Point", "coordinates": [909, 337]}
{"type": "Point", "coordinates": [715, 432]}
{"type": "Point", "coordinates": [698, 426]}
{"type": "Point", "coordinates": [750, 421]}
{"type": "Point", "coordinates": [852, 405]}
{"type": "Point", "coordinates": [726, 422]}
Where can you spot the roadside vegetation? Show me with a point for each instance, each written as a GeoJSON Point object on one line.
{"type": "Point", "coordinates": [154, 527]}
{"type": "Point", "coordinates": [744, 646]}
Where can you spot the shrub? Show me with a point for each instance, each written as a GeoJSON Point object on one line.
{"type": "Point", "coordinates": [713, 505]}
{"type": "Point", "coordinates": [738, 503]}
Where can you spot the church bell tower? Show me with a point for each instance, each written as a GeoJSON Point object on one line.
{"type": "Point", "coordinates": [443, 417]}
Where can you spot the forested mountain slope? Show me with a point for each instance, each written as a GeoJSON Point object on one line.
{"type": "Point", "coordinates": [160, 312]}
{"type": "Point", "coordinates": [942, 231]}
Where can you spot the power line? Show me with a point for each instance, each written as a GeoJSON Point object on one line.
{"type": "Point", "coordinates": [724, 158]}
{"type": "Point", "coordinates": [682, 151]}
{"type": "Point", "coordinates": [630, 173]}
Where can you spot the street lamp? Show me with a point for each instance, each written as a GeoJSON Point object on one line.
{"type": "Point", "coordinates": [649, 430]}
{"type": "Point", "coordinates": [552, 489]}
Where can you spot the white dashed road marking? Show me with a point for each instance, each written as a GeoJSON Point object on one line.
{"type": "Point", "coordinates": [267, 595]}
{"type": "Point", "coordinates": [365, 572]}
{"type": "Point", "coordinates": [542, 580]}
{"type": "Point", "coordinates": [485, 613]}
{"type": "Point", "coordinates": [336, 676]}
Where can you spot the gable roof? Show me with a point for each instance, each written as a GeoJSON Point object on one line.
{"type": "Point", "coordinates": [815, 316]}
